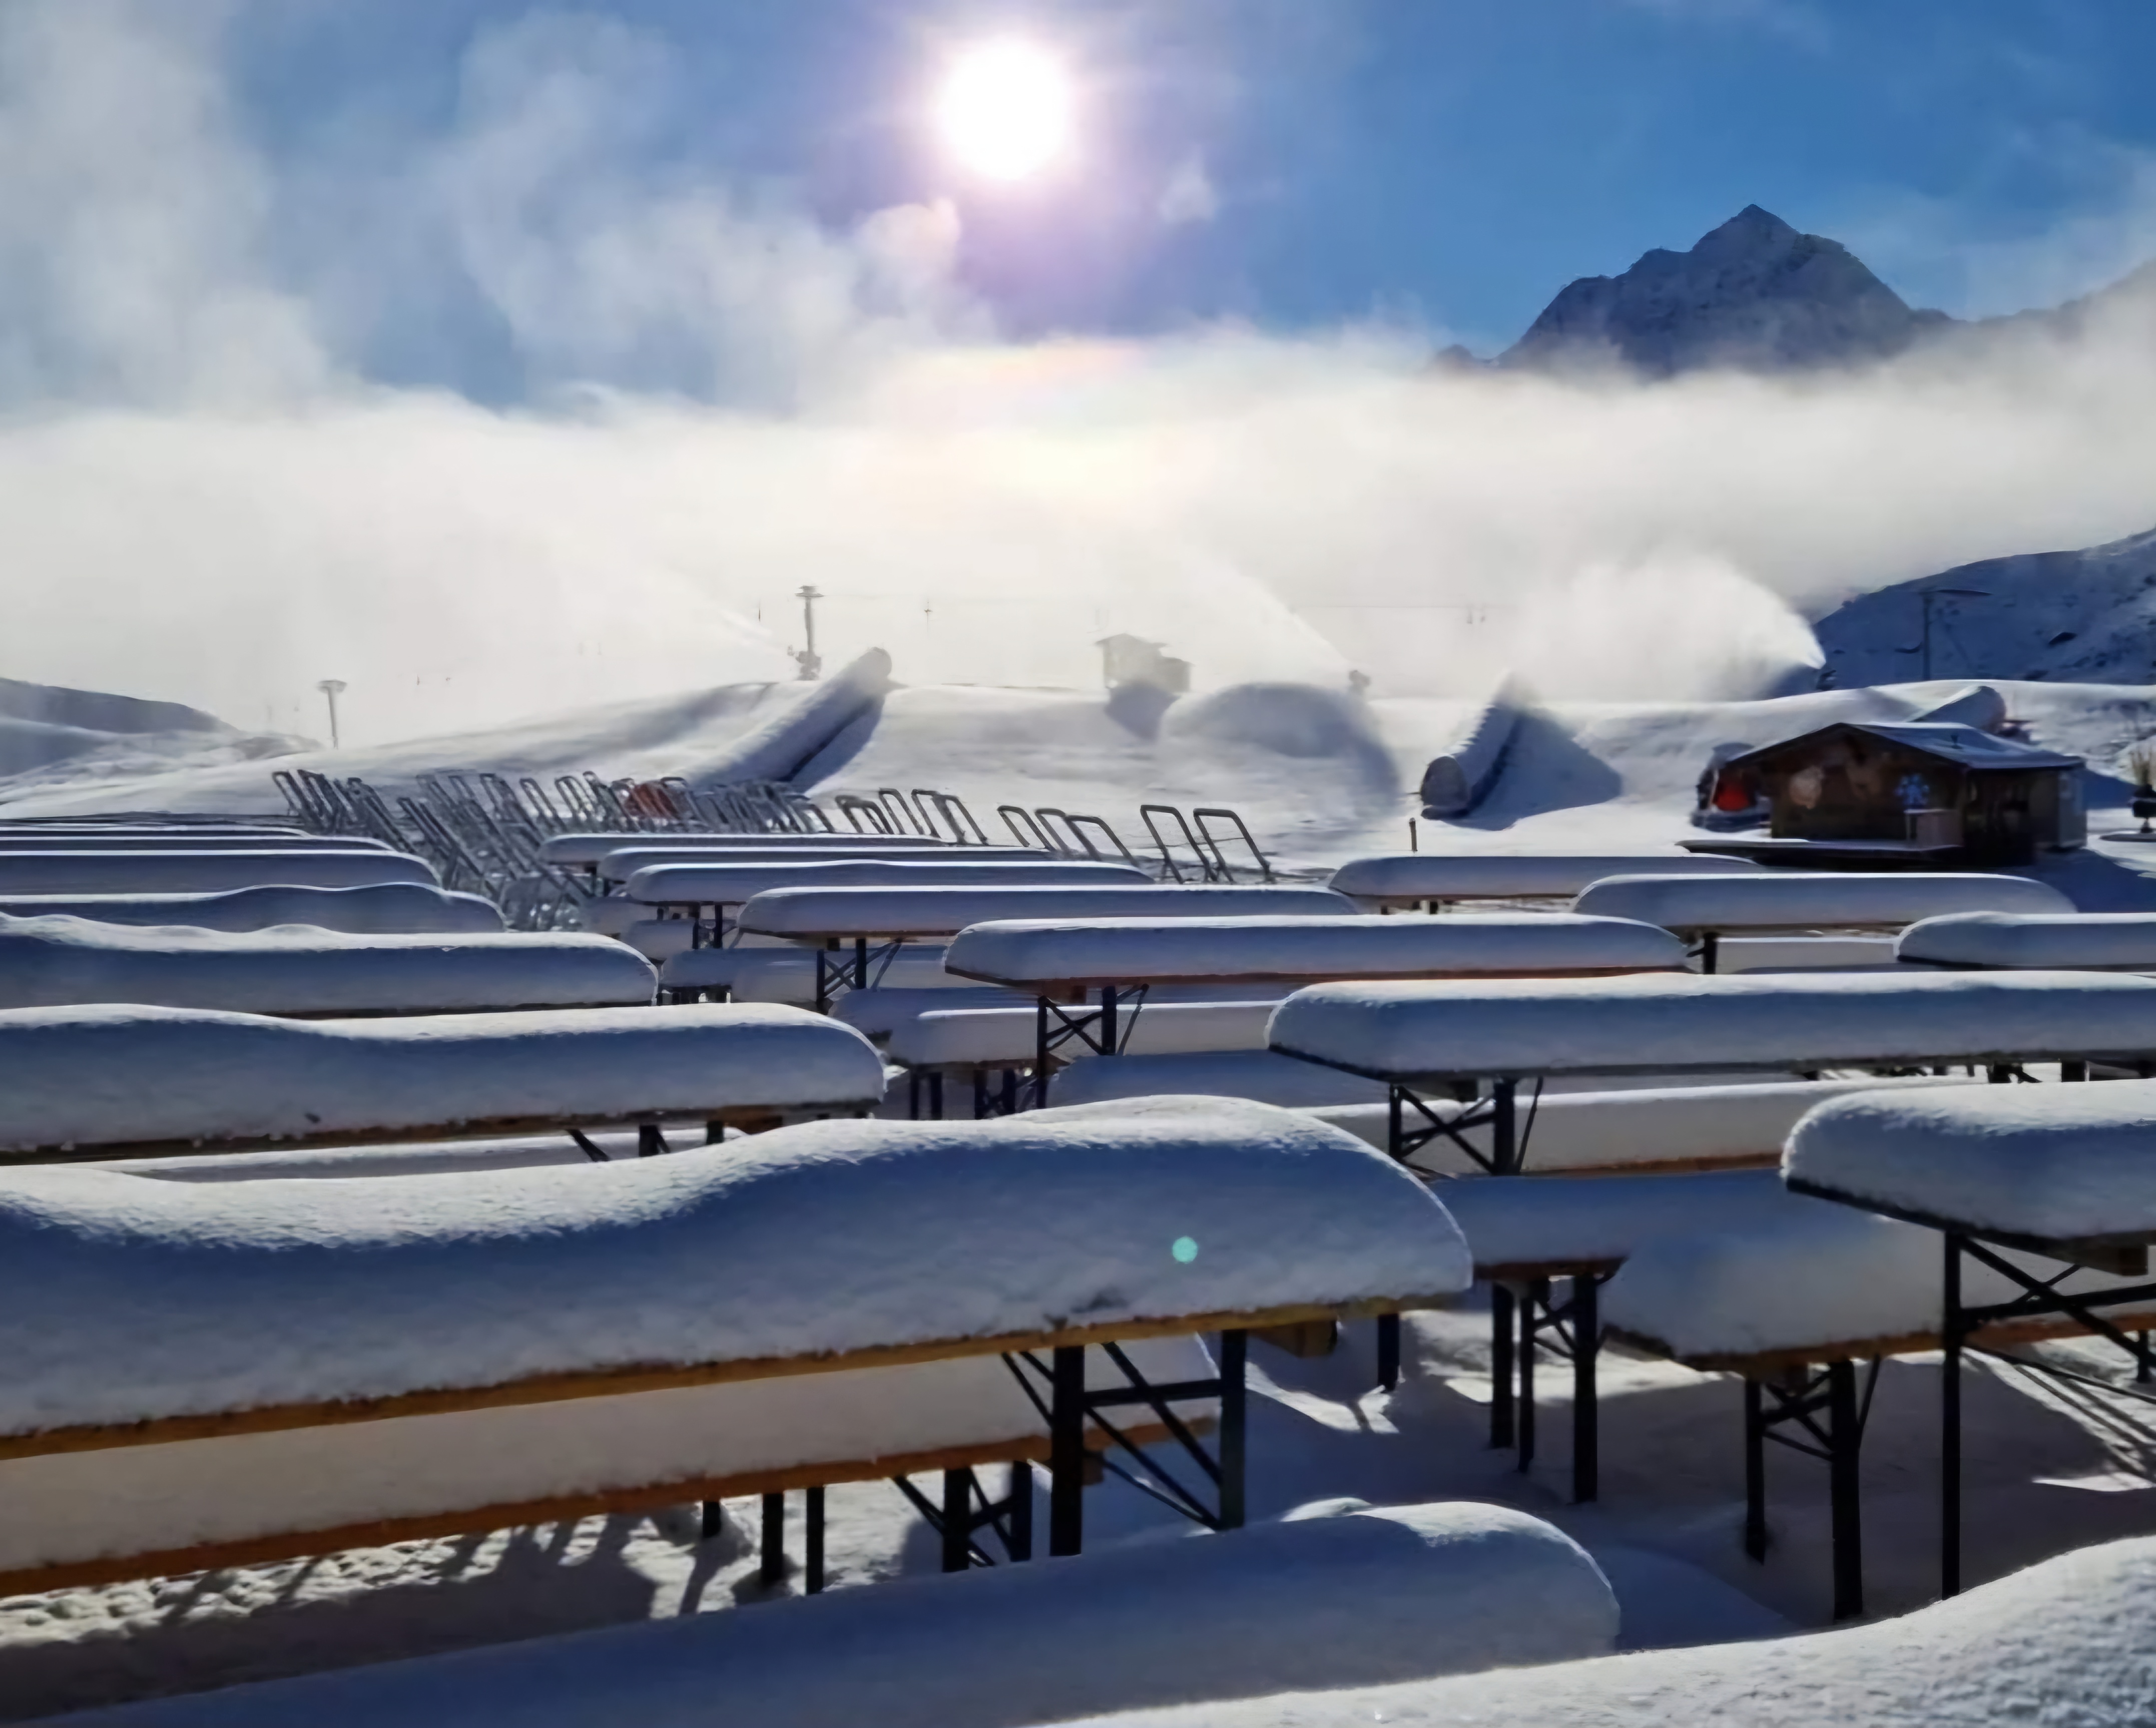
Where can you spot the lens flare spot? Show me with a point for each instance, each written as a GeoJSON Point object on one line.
{"type": "Point", "coordinates": [1185, 1249]}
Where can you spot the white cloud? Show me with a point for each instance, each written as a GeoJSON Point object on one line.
{"type": "Point", "coordinates": [201, 499]}
{"type": "Point", "coordinates": [1188, 197]}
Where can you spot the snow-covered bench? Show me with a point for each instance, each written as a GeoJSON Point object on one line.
{"type": "Point", "coordinates": [55, 962]}
{"type": "Point", "coordinates": [119, 1081]}
{"type": "Point", "coordinates": [587, 851]}
{"type": "Point", "coordinates": [2046, 1203]}
{"type": "Point", "coordinates": [1325, 1599]}
{"type": "Point", "coordinates": [836, 920]}
{"type": "Point", "coordinates": [459, 1352]}
{"type": "Point", "coordinates": [1435, 1045]}
{"type": "Point", "coordinates": [786, 973]}
{"type": "Point", "coordinates": [1061, 961]}
{"type": "Point", "coordinates": [974, 1042]}
{"type": "Point", "coordinates": [180, 840]}
{"type": "Point", "coordinates": [388, 908]}
{"type": "Point", "coordinates": [1432, 880]}
{"type": "Point", "coordinates": [701, 891]}
{"type": "Point", "coordinates": [1705, 909]}
{"type": "Point", "coordinates": [2076, 941]}
{"type": "Point", "coordinates": [95, 873]}
{"type": "Point", "coordinates": [2059, 1643]}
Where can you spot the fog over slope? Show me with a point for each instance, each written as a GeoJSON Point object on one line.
{"type": "Point", "coordinates": [214, 490]}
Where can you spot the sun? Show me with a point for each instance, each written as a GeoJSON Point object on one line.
{"type": "Point", "coordinates": [1004, 111]}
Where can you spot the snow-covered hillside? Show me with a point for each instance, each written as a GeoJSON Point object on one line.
{"type": "Point", "coordinates": [49, 735]}
{"type": "Point", "coordinates": [2086, 616]}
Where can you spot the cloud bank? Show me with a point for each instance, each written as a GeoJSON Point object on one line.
{"type": "Point", "coordinates": [229, 466]}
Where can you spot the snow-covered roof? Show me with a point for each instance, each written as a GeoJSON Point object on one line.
{"type": "Point", "coordinates": [2061, 1642]}
{"type": "Point", "coordinates": [1008, 1035]}
{"type": "Point", "coordinates": [93, 872]}
{"type": "Point", "coordinates": [1788, 899]}
{"type": "Point", "coordinates": [942, 912]}
{"type": "Point", "coordinates": [2029, 1161]}
{"type": "Point", "coordinates": [52, 962]}
{"type": "Point", "coordinates": [120, 1075]}
{"type": "Point", "coordinates": [1391, 1593]}
{"type": "Point", "coordinates": [2122, 940]}
{"type": "Point", "coordinates": [704, 884]}
{"type": "Point", "coordinates": [1133, 951]}
{"type": "Point", "coordinates": [1964, 746]}
{"type": "Point", "coordinates": [387, 908]}
{"type": "Point", "coordinates": [1658, 1023]}
{"type": "Point", "coordinates": [1507, 876]}
{"type": "Point", "coordinates": [123, 1298]}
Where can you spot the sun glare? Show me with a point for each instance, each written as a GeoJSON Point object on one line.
{"type": "Point", "coordinates": [1004, 110]}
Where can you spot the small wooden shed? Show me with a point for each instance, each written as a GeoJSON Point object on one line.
{"type": "Point", "coordinates": [1942, 792]}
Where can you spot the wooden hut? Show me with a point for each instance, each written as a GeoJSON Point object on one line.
{"type": "Point", "coordinates": [1925, 793]}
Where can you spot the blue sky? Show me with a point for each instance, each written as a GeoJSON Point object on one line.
{"type": "Point", "coordinates": [1447, 162]}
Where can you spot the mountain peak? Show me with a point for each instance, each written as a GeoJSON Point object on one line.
{"type": "Point", "coordinates": [1753, 293]}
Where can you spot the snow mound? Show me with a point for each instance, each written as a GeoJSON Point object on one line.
{"type": "Point", "coordinates": [2032, 1160]}
{"type": "Point", "coordinates": [1393, 1594]}
{"type": "Point", "coordinates": [123, 1299]}
{"type": "Point", "coordinates": [2066, 1644]}
{"type": "Point", "coordinates": [1460, 774]}
{"type": "Point", "coordinates": [122, 1075]}
{"type": "Point", "coordinates": [52, 962]}
{"type": "Point", "coordinates": [387, 908]}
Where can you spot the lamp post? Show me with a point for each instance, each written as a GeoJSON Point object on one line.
{"type": "Point", "coordinates": [1927, 595]}
{"type": "Point", "coordinates": [332, 688]}
{"type": "Point", "coordinates": [807, 659]}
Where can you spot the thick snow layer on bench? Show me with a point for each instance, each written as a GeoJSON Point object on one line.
{"type": "Point", "coordinates": [1803, 954]}
{"type": "Point", "coordinates": [2122, 940]}
{"type": "Point", "coordinates": [943, 912]}
{"type": "Point", "coordinates": [1610, 1130]}
{"type": "Point", "coordinates": [1790, 899]}
{"type": "Point", "coordinates": [585, 849]}
{"type": "Point", "coordinates": [134, 1500]}
{"type": "Point", "coordinates": [1254, 1074]}
{"type": "Point", "coordinates": [2065, 1644]}
{"type": "Point", "coordinates": [389, 909]}
{"type": "Point", "coordinates": [122, 1075]}
{"type": "Point", "coordinates": [880, 1010]}
{"type": "Point", "coordinates": [123, 1299]}
{"type": "Point", "coordinates": [789, 975]}
{"type": "Point", "coordinates": [1522, 1221]}
{"type": "Point", "coordinates": [1392, 1594]}
{"type": "Point", "coordinates": [179, 841]}
{"type": "Point", "coordinates": [659, 939]}
{"type": "Point", "coordinates": [92, 872]}
{"type": "Point", "coordinates": [1661, 1023]}
{"type": "Point", "coordinates": [1008, 1036]}
{"type": "Point", "coordinates": [1820, 1276]}
{"type": "Point", "coordinates": [1046, 951]}
{"type": "Point", "coordinates": [52, 962]}
{"type": "Point", "coordinates": [404, 1158]}
{"type": "Point", "coordinates": [1498, 876]}
{"type": "Point", "coordinates": [2030, 1160]}
{"type": "Point", "coordinates": [731, 884]}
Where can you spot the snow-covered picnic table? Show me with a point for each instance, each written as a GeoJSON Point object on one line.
{"type": "Point", "coordinates": [1433, 879]}
{"type": "Point", "coordinates": [589, 849]}
{"type": "Point", "coordinates": [182, 840]}
{"type": "Point", "coordinates": [115, 1081]}
{"type": "Point", "coordinates": [199, 873]}
{"type": "Point", "coordinates": [1706, 907]}
{"type": "Point", "coordinates": [55, 962]}
{"type": "Point", "coordinates": [2042, 1197]}
{"type": "Point", "coordinates": [388, 908]}
{"type": "Point", "coordinates": [454, 1325]}
{"type": "Point", "coordinates": [2074, 941]}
